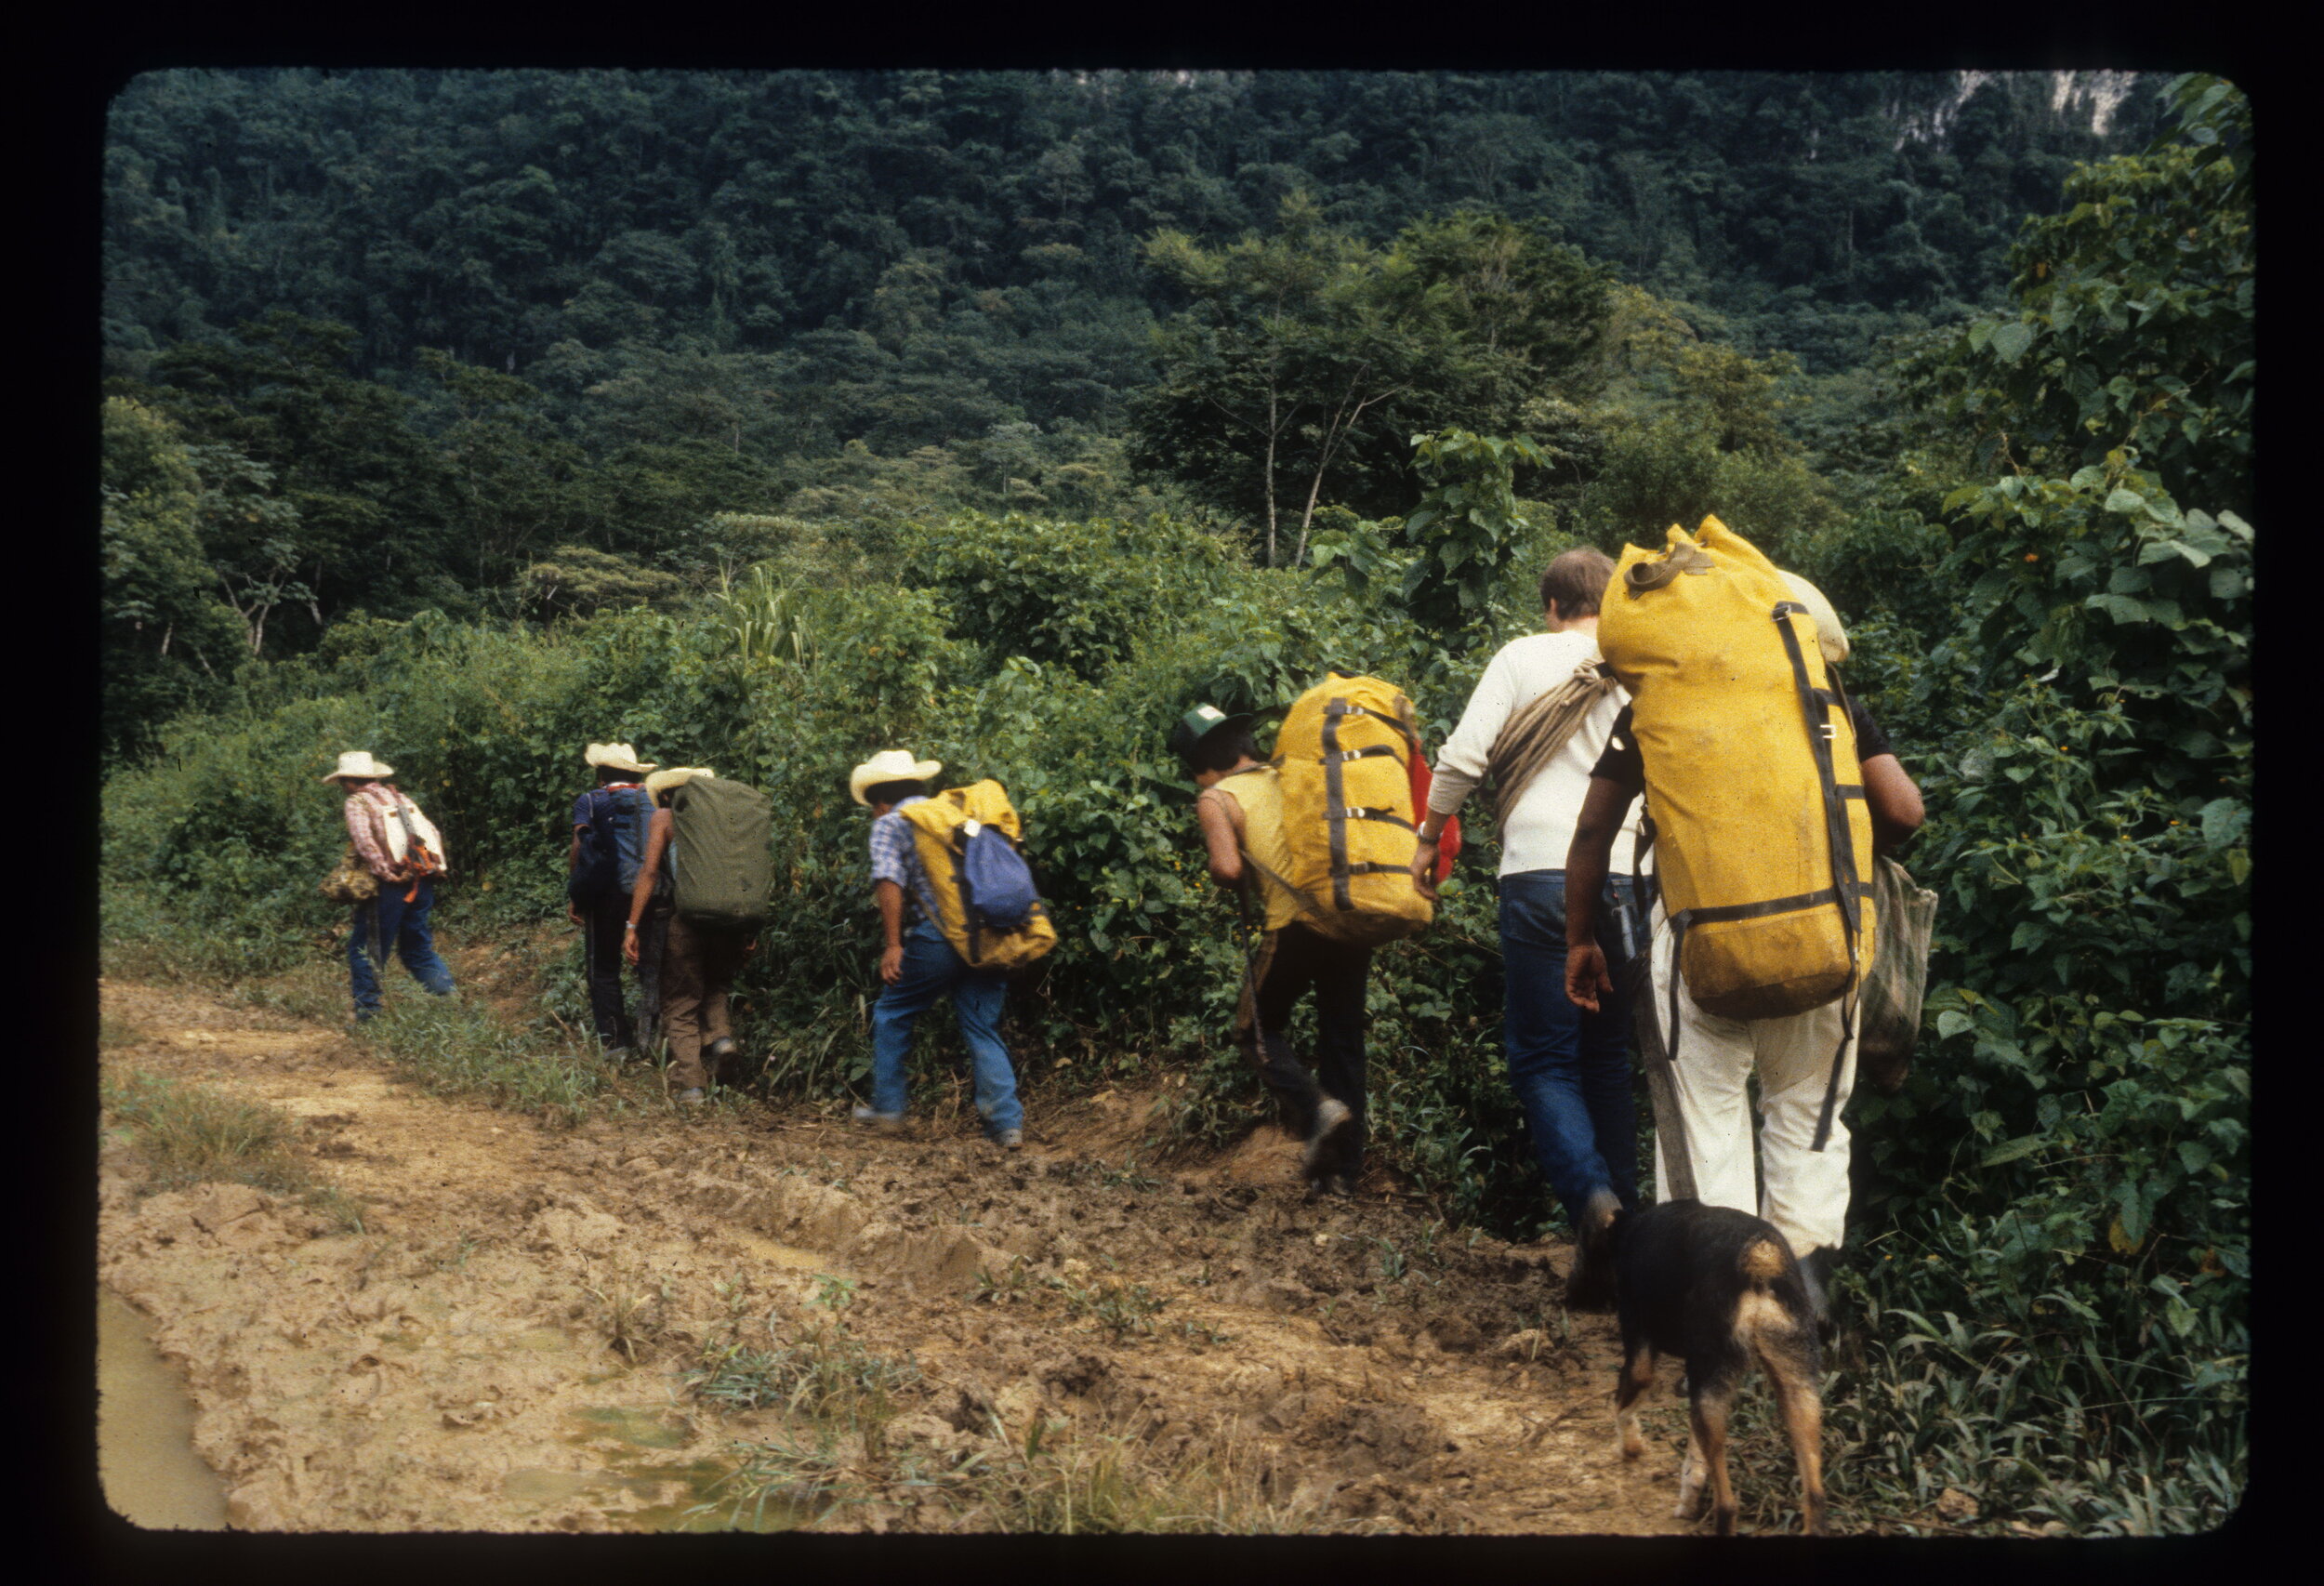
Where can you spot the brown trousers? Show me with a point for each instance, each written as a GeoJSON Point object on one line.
{"type": "Point", "coordinates": [698, 966]}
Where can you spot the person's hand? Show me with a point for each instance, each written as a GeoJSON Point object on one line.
{"type": "Point", "coordinates": [891, 964]}
{"type": "Point", "coordinates": [573, 912]}
{"type": "Point", "coordinates": [629, 945]}
{"type": "Point", "coordinates": [1424, 868]}
{"type": "Point", "coordinates": [750, 946]}
{"type": "Point", "coordinates": [1586, 980]}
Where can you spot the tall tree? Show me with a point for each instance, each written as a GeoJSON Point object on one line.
{"type": "Point", "coordinates": [167, 644]}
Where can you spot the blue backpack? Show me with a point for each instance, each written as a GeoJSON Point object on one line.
{"type": "Point", "coordinates": [995, 883]}
{"type": "Point", "coordinates": [613, 847]}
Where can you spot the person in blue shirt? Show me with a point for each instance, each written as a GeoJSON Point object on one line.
{"type": "Point", "coordinates": [615, 811]}
{"type": "Point", "coordinates": [917, 965]}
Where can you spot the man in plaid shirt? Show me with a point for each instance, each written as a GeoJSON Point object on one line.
{"type": "Point", "coordinates": [399, 845]}
{"type": "Point", "coordinates": [919, 966]}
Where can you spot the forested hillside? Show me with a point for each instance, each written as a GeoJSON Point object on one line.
{"type": "Point", "coordinates": [766, 421]}
{"type": "Point", "coordinates": [532, 343]}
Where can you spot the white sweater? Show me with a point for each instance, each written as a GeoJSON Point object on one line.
{"type": "Point", "coordinates": [1542, 827]}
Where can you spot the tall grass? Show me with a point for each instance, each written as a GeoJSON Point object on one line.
{"type": "Point", "coordinates": [187, 1134]}
{"type": "Point", "coordinates": [190, 1135]}
{"type": "Point", "coordinates": [449, 1046]}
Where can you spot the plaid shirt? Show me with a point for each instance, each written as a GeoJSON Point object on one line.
{"type": "Point", "coordinates": [893, 858]}
{"type": "Point", "coordinates": [368, 811]}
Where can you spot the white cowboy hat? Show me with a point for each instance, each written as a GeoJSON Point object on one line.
{"type": "Point", "coordinates": [890, 765]}
{"type": "Point", "coordinates": [1830, 637]}
{"type": "Point", "coordinates": [358, 763]}
{"type": "Point", "coordinates": [660, 781]}
{"type": "Point", "coordinates": [621, 757]}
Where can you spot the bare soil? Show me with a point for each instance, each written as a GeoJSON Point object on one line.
{"type": "Point", "coordinates": [451, 1366]}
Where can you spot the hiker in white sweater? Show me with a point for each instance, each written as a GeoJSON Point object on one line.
{"type": "Point", "coordinates": [1570, 1069]}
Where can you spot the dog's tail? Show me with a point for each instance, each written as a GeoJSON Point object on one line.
{"type": "Point", "coordinates": [1763, 1261]}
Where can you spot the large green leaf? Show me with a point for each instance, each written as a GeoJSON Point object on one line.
{"type": "Point", "coordinates": [2009, 341]}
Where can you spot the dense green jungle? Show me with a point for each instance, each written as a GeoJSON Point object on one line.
{"type": "Point", "coordinates": [765, 420]}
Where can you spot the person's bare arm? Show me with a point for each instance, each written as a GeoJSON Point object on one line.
{"type": "Point", "coordinates": [656, 840]}
{"type": "Point", "coordinates": [573, 861]}
{"type": "Point", "coordinates": [1222, 821]}
{"type": "Point", "coordinates": [891, 900]}
{"type": "Point", "coordinates": [1895, 802]}
{"type": "Point", "coordinates": [1586, 860]}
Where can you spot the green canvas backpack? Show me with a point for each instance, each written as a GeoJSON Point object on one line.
{"type": "Point", "coordinates": [724, 833]}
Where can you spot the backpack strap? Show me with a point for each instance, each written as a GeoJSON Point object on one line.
{"type": "Point", "coordinates": [1307, 904]}
{"type": "Point", "coordinates": [1336, 809]}
{"type": "Point", "coordinates": [1846, 891]}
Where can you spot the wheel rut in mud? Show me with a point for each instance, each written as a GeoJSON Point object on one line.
{"type": "Point", "coordinates": [503, 1344]}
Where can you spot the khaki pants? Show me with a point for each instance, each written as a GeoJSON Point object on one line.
{"type": "Point", "coordinates": [1807, 1193]}
{"type": "Point", "coordinates": [698, 966]}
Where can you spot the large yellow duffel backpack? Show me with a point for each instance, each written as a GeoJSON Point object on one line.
{"type": "Point", "coordinates": [947, 832]}
{"type": "Point", "coordinates": [1763, 842]}
{"type": "Point", "coordinates": [1345, 752]}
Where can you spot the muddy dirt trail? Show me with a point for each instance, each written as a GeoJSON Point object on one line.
{"type": "Point", "coordinates": [503, 1344]}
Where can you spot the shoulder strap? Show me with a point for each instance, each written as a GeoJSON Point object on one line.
{"type": "Point", "coordinates": [1305, 902]}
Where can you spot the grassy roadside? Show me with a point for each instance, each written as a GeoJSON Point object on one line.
{"type": "Point", "coordinates": [187, 1134]}
{"type": "Point", "coordinates": [837, 1457]}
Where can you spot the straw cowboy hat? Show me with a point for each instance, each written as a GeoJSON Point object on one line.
{"type": "Point", "coordinates": [358, 763]}
{"type": "Point", "coordinates": [661, 781]}
{"type": "Point", "coordinates": [621, 757]}
{"type": "Point", "coordinates": [1830, 637]}
{"type": "Point", "coordinates": [890, 765]}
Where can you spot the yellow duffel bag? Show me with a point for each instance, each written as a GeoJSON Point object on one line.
{"type": "Point", "coordinates": [1345, 752]}
{"type": "Point", "coordinates": [942, 827]}
{"type": "Point", "coordinates": [1763, 842]}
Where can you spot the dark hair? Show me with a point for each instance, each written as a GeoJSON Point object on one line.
{"type": "Point", "coordinates": [1575, 580]}
{"type": "Point", "coordinates": [607, 775]}
{"type": "Point", "coordinates": [1222, 748]}
{"type": "Point", "coordinates": [893, 792]}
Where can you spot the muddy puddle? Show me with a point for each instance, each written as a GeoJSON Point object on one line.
{"type": "Point", "coordinates": [145, 1458]}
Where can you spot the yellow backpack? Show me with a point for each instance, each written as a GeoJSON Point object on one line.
{"type": "Point", "coordinates": [1345, 752]}
{"type": "Point", "coordinates": [940, 829]}
{"type": "Point", "coordinates": [1763, 842]}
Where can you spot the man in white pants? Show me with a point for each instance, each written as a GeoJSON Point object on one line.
{"type": "Point", "coordinates": [1806, 1195]}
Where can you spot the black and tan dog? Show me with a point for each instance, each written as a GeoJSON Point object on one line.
{"type": "Point", "coordinates": [1719, 1288]}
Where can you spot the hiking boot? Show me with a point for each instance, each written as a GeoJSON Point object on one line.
{"type": "Point", "coordinates": [725, 1046]}
{"type": "Point", "coordinates": [691, 1098]}
{"type": "Point", "coordinates": [1590, 1282]}
{"type": "Point", "coordinates": [622, 1053]}
{"type": "Point", "coordinates": [883, 1123]}
{"type": "Point", "coordinates": [1008, 1139]}
{"type": "Point", "coordinates": [1341, 1187]}
{"type": "Point", "coordinates": [1332, 1118]}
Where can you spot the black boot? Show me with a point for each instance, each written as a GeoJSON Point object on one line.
{"type": "Point", "coordinates": [1816, 1272]}
{"type": "Point", "coordinates": [1590, 1282]}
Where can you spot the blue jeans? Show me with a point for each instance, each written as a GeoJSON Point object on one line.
{"type": "Point", "coordinates": [931, 969]}
{"type": "Point", "coordinates": [1570, 1069]}
{"type": "Point", "coordinates": [390, 918]}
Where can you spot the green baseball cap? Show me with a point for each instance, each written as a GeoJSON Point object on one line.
{"type": "Point", "coordinates": [1198, 723]}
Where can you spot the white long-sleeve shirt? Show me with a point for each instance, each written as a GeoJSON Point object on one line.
{"type": "Point", "coordinates": [1542, 827]}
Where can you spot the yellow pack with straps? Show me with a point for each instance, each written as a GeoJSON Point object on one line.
{"type": "Point", "coordinates": [1763, 842]}
{"type": "Point", "coordinates": [1345, 756]}
{"type": "Point", "coordinates": [942, 826]}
